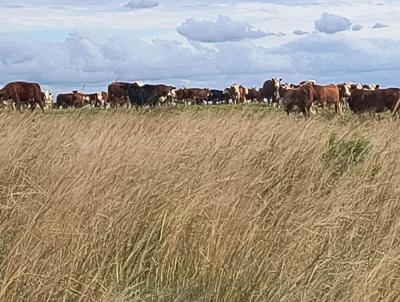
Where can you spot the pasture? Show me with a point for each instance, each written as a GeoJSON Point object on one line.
{"type": "Point", "coordinates": [198, 204]}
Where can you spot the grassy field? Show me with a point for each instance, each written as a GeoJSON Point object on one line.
{"type": "Point", "coordinates": [199, 204]}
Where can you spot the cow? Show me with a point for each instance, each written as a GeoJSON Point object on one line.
{"type": "Point", "coordinates": [64, 100]}
{"type": "Point", "coordinates": [296, 100]}
{"type": "Point", "coordinates": [374, 101]}
{"type": "Point", "coordinates": [192, 95]}
{"type": "Point", "coordinates": [325, 96]}
{"type": "Point", "coordinates": [48, 99]}
{"type": "Point", "coordinates": [270, 91]}
{"type": "Point", "coordinates": [149, 95]}
{"type": "Point", "coordinates": [218, 97]}
{"type": "Point", "coordinates": [91, 99]}
{"type": "Point", "coordinates": [344, 94]}
{"type": "Point", "coordinates": [72, 100]}
{"type": "Point", "coordinates": [23, 94]}
{"type": "Point", "coordinates": [237, 93]}
{"type": "Point", "coordinates": [252, 94]}
{"type": "Point", "coordinates": [118, 94]}
{"type": "Point", "coordinates": [102, 99]}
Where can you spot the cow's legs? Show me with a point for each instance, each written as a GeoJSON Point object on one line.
{"type": "Point", "coordinates": [41, 106]}
{"type": "Point", "coordinates": [306, 112]}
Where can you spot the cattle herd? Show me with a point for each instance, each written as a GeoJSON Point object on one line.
{"type": "Point", "coordinates": [306, 97]}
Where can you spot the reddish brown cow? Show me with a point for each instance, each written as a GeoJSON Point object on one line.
{"type": "Point", "coordinates": [325, 95]}
{"type": "Point", "coordinates": [252, 94]}
{"type": "Point", "coordinates": [23, 93]}
{"type": "Point", "coordinates": [118, 94]}
{"type": "Point", "coordinates": [72, 100]}
{"type": "Point", "coordinates": [192, 95]}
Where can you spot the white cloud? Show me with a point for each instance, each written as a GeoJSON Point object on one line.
{"type": "Point", "coordinates": [222, 29]}
{"type": "Point", "coordinates": [356, 27]}
{"type": "Point", "coordinates": [146, 45]}
{"type": "Point", "coordinates": [330, 24]}
{"type": "Point", "coordinates": [80, 60]}
{"type": "Point", "coordinates": [139, 4]}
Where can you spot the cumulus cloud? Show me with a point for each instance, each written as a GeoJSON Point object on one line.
{"type": "Point", "coordinates": [331, 24]}
{"type": "Point", "coordinates": [80, 60]}
{"type": "Point", "coordinates": [356, 27]}
{"type": "Point", "coordinates": [222, 29]}
{"type": "Point", "coordinates": [379, 25]}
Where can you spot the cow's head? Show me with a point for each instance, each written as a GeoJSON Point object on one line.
{"type": "Point", "coordinates": [235, 90]}
{"type": "Point", "coordinates": [172, 91]}
{"type": "Point", "coordinates": [277, 85]}
{"type": "Point", "coordinates": [346, 89]}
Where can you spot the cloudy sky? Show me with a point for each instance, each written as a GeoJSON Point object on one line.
{"type": "Point", "coordinates": [209, 43]}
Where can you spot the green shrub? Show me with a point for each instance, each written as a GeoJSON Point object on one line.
{"type": "Point", "coordinates": [342, 154]}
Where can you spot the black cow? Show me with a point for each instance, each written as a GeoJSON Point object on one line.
{"type": "Point", "coordinates": [149, 95]}
{"type": "Point", "coordinates": [218, 97]}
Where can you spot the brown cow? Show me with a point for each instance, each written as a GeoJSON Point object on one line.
{"type": "Point", "coordinates": [118, 94]}
{"type": "Point", "coordinates": [325, 96]}
{"type": "Point", "coordinates": [270, 91]}
{"type": "Point", "coordinates": [102, 98]}
{"type": "Point", "coordinates": [252, 94]}
{"type": "Point", "coordinates": [192, 95]}
{"type": "Point", "coordinates": [72, 100]}
{"type": "Point", "coordinates": [296, 100]}
{"type": "Point", "coordinates": [23, 93]}
{"type": "Point", "coordinates": [237, 93]}
{"type": "Point", "coordinates": [375, 101]}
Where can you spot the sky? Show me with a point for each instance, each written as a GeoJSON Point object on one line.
{"type": "Point", "coordinates": [86, 44]}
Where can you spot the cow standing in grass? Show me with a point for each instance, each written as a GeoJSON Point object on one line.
{"type": "Point", "coordinates": [296, 100]}
{"type": "Point", "coordinates": [23, 94]}
{"type": "Point", "coordinates": [270, 91]}
{"type": "Point", "coordinates": [237, 93]}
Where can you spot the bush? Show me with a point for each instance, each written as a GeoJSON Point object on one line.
{"type": "Point", "coordinates": [342, 154]}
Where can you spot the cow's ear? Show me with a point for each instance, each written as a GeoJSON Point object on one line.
{"type": "Point", "coordinates": [280, 79]}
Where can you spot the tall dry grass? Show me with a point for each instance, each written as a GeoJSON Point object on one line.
{"type": "Point", "coordinates": [190, 206]}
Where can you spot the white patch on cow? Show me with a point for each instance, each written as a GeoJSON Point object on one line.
{"type": "Point", "coordinates": [162, 99]}
{"type": "Point", "coordinates": [139, 83]}
{"type": "Point", "coordinates": [172, 93]}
